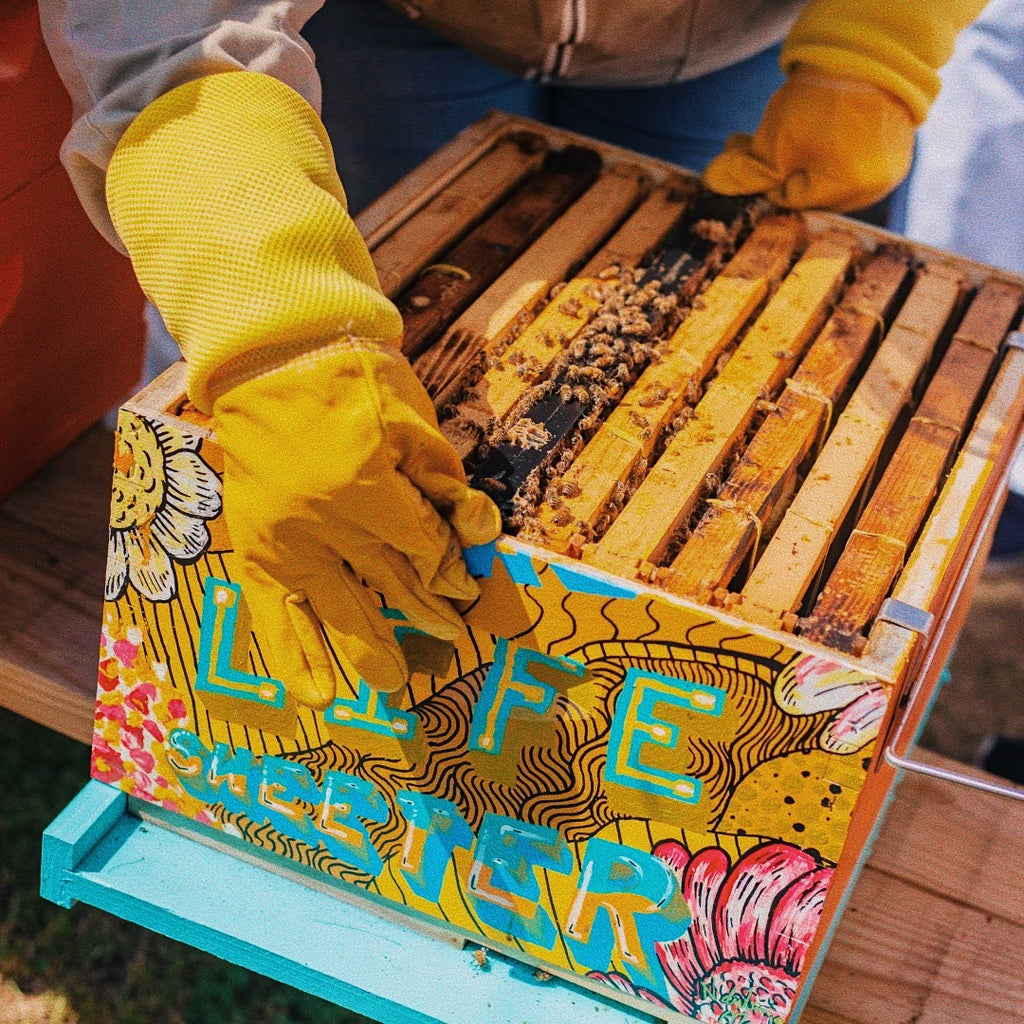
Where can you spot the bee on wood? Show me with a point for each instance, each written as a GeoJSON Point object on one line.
{"type": "Point", "coordinates": [493, 486]}
{"type": "Point", "coordinates": [605, 322]}
{"type": "Point", "coordinates": [564, 461]}
{"type": "Point", "coordinates": [653, 397]}
{"type": "Point", "coordinates": [682, 418]}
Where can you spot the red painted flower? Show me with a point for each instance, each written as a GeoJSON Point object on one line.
{"type": "Point", "coordinates": [739, 961]}
{"type": "Point", "coordinates": [106, 761]}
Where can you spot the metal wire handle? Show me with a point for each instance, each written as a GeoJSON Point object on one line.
{"type": "Point", "coordinates": [899, 759]}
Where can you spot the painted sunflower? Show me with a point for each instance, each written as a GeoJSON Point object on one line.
{"type": "Point", "coordinates": [163, 493]}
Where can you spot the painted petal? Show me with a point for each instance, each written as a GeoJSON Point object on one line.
{"type": "Point", "coordinates": [673, 853]}
{"type": "Point", "coordinates": [171, 438]}
{"type": "Point", "coordinates": [153, 577]}
{"type": "Point", "coordinates": [182, 536]}
{"type": "Point", "coordinates": [191, 485]}
{"type": "Point", "coordinates": [795, 920]}
{"type": "Point", "coordinates": [702, 882]}
{"type": "Point", "coordinates": [811, 684]}
{"type": "Point", "coordinates": [677, 957]}
{"type": "Point", "coordinates": [117, 566]}
{"type": "Point", "coordinates": [623, 984]}
{"type": "Point", "coordinates": [616, 980]}
{"type": "Point", "coordinates": [681, 971]}
{"type": "Point", "coordinates": [857, 724]}
{"type": "Point", "coordinates": [744, 905]}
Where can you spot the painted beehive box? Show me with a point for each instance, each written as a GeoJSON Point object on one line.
{"type": "Point", "coordinates": [746, 461]}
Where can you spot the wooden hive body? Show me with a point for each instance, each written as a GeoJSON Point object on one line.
{"type": "Point", "coordinates": [653, 763]}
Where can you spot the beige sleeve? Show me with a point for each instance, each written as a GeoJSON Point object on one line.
{"type": "Point", "coordinates": [116, 58]}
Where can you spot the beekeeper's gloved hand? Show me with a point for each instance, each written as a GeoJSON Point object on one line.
{"type": "Point", "coordinates": [839, 133]}
{"type": "Point", "coordinates": [225, 194]}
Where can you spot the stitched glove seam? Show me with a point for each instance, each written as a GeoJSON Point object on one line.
{"type": "Point", "coordinates": [258, 364]}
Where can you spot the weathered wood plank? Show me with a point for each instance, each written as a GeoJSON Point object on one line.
{"type": "Point", "coordinates": [904, 952]}
{"type": "Point", "coordinates": [445, 288]}
{"type": "Point", "coordinates": [876, 550]}
{"type": "Point", "coordinates": [505, 308]}
{"type": "Point", "coordinates": [434, 227]}
{"type": "Point", "coordinates": [959, 842]}
{"type": "Point", "coordinates": [791, 560]}
{"type": "Point", "coordinates": [635, 426]}
{"type": "Point", "coordinates": [60, 705]}
{"type": "Point", "coordinates": [426, 182]}
{"type": "Point", "coordinates": [53, 545]}
{"type": "Point", "coordinates": [765, 476]}
{"type": "Point", "coordinates": [660, 507]}
{"type": "Point", "coordinates": [970, 490]}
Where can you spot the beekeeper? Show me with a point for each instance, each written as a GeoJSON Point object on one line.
{"type": "Point", "coordinates": [197, 148]}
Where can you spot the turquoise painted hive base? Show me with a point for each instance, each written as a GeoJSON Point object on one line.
{"type": "Point", "coordinates": [98, 852]}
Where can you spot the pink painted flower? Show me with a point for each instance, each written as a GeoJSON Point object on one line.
{"type": "Point", "coordinates": [741, 957]}
{"type": "Point", "coordinates": [106, 761]}
{"type": "Point", "coordinates": [809, 685]}
{"type": "Point", "coordinates": [134, 717]}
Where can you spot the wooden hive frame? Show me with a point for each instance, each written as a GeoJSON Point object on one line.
{"type": "Point", "coordinates": [812, 407]}
{"type": "Point", "coordinates": [810, 441]}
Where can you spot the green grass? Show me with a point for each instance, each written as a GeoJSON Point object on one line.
{"type": "Point", "coordinates": [86, 966]}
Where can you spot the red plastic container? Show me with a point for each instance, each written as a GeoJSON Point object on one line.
{"type": "Point", "coordinates": [71, 328]}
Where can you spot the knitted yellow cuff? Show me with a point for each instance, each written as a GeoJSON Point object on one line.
{"type": "Point", "coordinates": [225, 194]}
{"type": "Point", "coordinates": [896, 46]}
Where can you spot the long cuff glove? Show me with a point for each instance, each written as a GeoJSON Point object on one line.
{"type": "Point", "coordinates": [839, 133]}
{"type": "Point", "coordinates": [225, 195]}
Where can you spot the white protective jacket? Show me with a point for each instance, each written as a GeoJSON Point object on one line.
{"type": "Point", "coordinates": [116, 57]}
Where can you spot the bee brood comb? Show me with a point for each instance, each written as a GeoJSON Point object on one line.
{"type": "Point", "coordinates": [609, 354]}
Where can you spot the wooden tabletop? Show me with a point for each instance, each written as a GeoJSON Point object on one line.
{"type": "Point", "coordinates": [933, 932]}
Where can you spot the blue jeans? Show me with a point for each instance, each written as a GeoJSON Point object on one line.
{"type": "Point", "coordinates": [394, 93]}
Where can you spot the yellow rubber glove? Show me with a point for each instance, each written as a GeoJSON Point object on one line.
{"type": "Point", "coordinates": [225, 194]}
{"type": "Point", "coordinates": [839, 133]}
